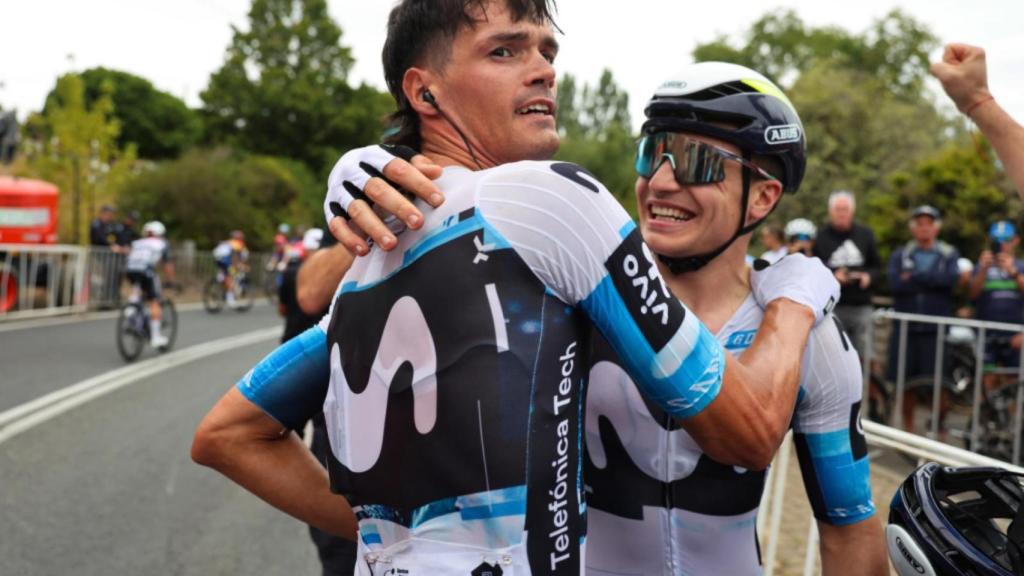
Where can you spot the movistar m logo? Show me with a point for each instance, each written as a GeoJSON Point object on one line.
{"type": "Point", "coordinates": [782, 134]}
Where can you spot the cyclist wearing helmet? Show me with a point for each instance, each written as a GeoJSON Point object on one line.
{"type": "Point", "coordinates": [143, 257]}
{"type": "Point", "coordinates": [231, 255]}
{"type": "Point", "coordinates": [720, 146]}
{"type": "Point", "coordinates": [657, 503]}
{"type": "Point", "coordinates": [800, 235]}
{"type": "Point", "coordinates": [957, 522]}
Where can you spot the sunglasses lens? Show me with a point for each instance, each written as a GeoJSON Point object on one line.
{"type": "Point", "coordinates": [702, 164]}
{"type": "Point", "coordinates": [693, 162]}
{"type": "Point", "coordinates": [649, 154]}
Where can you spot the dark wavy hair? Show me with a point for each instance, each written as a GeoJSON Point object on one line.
{"type": "Point", "coordinates": [421, 31]}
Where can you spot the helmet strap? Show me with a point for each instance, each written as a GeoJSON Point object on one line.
{"type": "Point", "coordinates": [686, 264]}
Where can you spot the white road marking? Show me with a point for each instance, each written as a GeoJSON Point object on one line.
{"type": "Point", "coordinates": [12, 325]}
{"type": "Point", "coordinates": [26, 416]}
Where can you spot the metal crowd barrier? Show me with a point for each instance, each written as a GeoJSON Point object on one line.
{"type": "Point", "coordinates": [773, 501]}
{"type": "Point", "coordinates": [51, 280]}
{"type": "Point", "coordinates": [980, 328]}
{"type": "Point", "coordinates": [42, 280]}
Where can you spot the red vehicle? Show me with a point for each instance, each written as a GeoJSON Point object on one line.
{"type": "Point", "coordinates": [28, 215]}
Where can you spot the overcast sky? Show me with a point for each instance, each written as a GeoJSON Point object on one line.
{"type": "Point", "coordinates": [177, 43]}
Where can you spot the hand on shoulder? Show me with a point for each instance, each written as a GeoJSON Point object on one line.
{"type": "Point", "coordinates": [804, 280]}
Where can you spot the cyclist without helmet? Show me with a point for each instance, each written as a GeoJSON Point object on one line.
{"type": "Point", "coordinates": [145, 254]}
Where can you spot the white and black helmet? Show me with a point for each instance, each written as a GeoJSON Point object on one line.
{"type": "Point", "coordinates": [735, 104]}
{"type": "Point", "coordinates": [154, 227]}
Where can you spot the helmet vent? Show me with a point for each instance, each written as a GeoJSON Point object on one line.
{"type": "Point", "coordinates": [720, 90]}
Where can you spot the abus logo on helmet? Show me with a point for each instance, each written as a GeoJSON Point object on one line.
{"type": "Point", "coordinates": [782, 134]}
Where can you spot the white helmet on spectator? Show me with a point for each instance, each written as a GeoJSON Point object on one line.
{"type": "Point", "coordinates": [312, 238]}
{"type": "Point", "coordinates": [801, 229]}
{"type": "Point", "coordinates": [155, 228]}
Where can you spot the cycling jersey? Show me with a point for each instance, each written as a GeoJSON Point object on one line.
{"type": "Point", "coordinates": [456, 365]}
{"type": "Point", "coordinates": [659, 506]}
{"type": "Point", "coordinates": [146, 253]}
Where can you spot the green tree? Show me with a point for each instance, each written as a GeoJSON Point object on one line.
{"type": "Point", "coordinates": [858, 135]}
{"type": "Point", "coordinates": [283, 88]}
{"type": "Point", "coordinates": [894, 49]}
{"type": "Point", "coordinates": [596, 133]}
{"type": "Point", "coordinates": [206, 193]}
{"type": "Point", "coordinates": [74, 144]}
{"type": "Point", "coordinates": [962, 180]}
{"type": "Point", "coordinates": [157, 123]}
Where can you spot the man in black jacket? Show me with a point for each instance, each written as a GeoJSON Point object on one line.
{"type": "Point", "coordinates": [849, 250]}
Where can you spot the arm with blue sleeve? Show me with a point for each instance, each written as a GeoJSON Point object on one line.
{"type": "Point", "coordinates": [583, 246]}
{"type": "Point", "coordinates": [833, 456]}
{"type": "Point", "coordinates": [247, 435]}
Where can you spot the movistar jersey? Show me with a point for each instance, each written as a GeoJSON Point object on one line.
{"type": "Point", "coordinates": [659, 506]}
{"type": "Point", "coordinates": [457, 363]}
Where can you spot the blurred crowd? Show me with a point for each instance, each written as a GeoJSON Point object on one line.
{"type": "Point", "coordinates": [925, 276]}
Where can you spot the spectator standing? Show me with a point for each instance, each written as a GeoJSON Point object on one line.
{"type": "Point", "coordinates": [126, 232]}
{"type": "Point", "coordinates": [850, 251]}
{"type": "Point", "coordinates": [337, 555]}
{"type": "Point", "coordinates": [106, 265]}
{"type": "Point", "coordinates": [923, 274]}
{"type": "Point", "coordinates": [774, 241]}
{"type": "Point", "coordinates": [103, 229]}
{"type": "Point", "coordinates": [997, 289]}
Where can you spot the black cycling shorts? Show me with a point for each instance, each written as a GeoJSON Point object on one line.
{"type": "Point", "coordinates": [147, 282]}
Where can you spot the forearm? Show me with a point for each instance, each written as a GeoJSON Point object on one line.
{"type": "Point", "coordinates": [854, 550]}
{"type": "Point", "coordinates": [319, 277]}
{"type": "Point", "coordinates": [1006, 136]}
{"type": "Point", "coordinates": [254, 451]}
{"type": "Point", "coordinates": [745, 424]}
{"type": "Point", "coordinates": [977, 284]}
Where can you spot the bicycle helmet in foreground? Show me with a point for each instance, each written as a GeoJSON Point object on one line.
{"type": "Point", "coordinates": [957, 522]}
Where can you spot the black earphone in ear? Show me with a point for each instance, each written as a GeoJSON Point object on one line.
{"type": "Point", "coordinates": [428, 97]}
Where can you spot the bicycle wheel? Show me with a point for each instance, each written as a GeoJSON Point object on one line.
{"type": "Point", "coordinates": [243, 293]}
{"type": "Point", "coordinates": [213, 296]}
{"type": "Point", "coordinates": [169, 323]}
{"type": "Point", "coordinates": [131, 335]}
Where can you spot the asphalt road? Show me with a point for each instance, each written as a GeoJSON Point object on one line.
{"type": "Point", "coordinates": [108, 487]}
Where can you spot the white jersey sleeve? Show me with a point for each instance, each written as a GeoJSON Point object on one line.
{"type": "Point", "coordinates": [582, 245]}
{"type": "Point", "coordinates": [829, 439]}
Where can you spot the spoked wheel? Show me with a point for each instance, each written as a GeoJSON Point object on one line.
{"type": "Point", "coordinates": [243, 293]}
{"type": "Point", "coordinates": [131, 331]}
{"type": "Point", "coordinates": [213, 296]}
{"type": "Point", "coordinates": [168, 324]}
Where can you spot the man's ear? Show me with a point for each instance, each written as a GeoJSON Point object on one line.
{"type": "Point", "coordinates": [764, 194]}
{"type": "Point", "coordinates": [416, 82]}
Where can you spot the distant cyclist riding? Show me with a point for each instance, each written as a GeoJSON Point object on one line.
{"type": "Point", "coordinates": [145, 255]}
{"type": "Point", "coordinates": [231, 283]}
